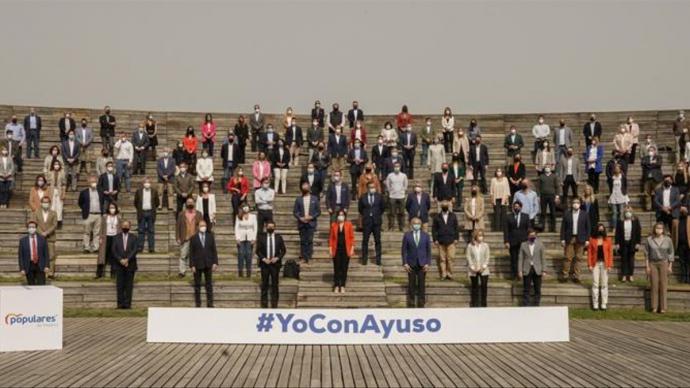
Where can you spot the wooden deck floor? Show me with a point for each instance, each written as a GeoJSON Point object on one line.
{"type": "Point", "coordinates": [112, 352]}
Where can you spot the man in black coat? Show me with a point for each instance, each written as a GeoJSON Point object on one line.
{"type": "Point", "coordinates": [34, 259]}
{"type": "Point", "coordinates": [408, 142]}
{"type": "Point", "coordinates": [515, 231]}
{"type": "Point", "coordinates": [108, 123]}
{"type": "Point", "coordinates": [32, 126]}
{"type": "Point", "coordinates": [314, 179]}
{"type": "Point", "coordinates": [479, 160]}
{"type": "Point", "coordinates": [591, 130]}
{"type": "Point", "coordinates": [445, 234]}
{"type": "Point", "coordinates": [65, 124]}
{"type": "Point", "coordinates": [124, 253]}
{"type": "Point", "coordinates": [318, 114]}
{"type": "Point", "coordinates": [230, 154]}
{"type": "Point", "coordinates": [444, 185]}
{"type": "Point", "coordinates": [203, 260]}
{"type": "Point", "coordinates": [379, 154]}
{"type": "Point", "coordinates": [357, 157]}
{"type": "Point", "coordinates": [355, 114]}
{"type": "Point", "coordinates": [270, 249]}
{"type": "Point", "coordinates": [370, 207]}
{"type": "Point", "coordinates": [575, 230]}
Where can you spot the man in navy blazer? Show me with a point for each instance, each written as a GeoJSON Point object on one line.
{"type": "Point", "coordinates": [575, 230]}
{"type": "Point", "coordinates": [165, 169]}
{"type": "Point", "coordinates": [337, 148]}
{"type": "Point", "coordinates": [34, 260]}
{"type": "Point", "coordinates": [306, 210]}
{"type": "Point", "coordinates": [418, 205]}
{"type": "Point", "coordinates": [371, 208]}
{"type": "Point", "coordinates": [124, 254]}
{"type": "Point", "coordinates": [408, 142]}
{"type": "Point", "coordinates": [357, 157]}
{"type": "Point", "coordinates": [416, 258]}
{"type": "Point", "coordinates": [337, 196]}
{"type": "Point", "coordinates": [70, 156]}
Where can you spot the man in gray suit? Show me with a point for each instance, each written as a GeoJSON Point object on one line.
{"type": "Point", "coordinates": [256, 125]}
{"type": "Point", "coordinates": [562, 139]}
{"type": "Point", "coordinates": [531, 267]}
{"type": "Point", "coordinates": [84, 138]}
{"type": "Point", "coordinates": [569, 170]}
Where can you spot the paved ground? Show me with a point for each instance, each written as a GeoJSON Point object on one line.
{"type": "Point", "coordinates": [112, 352]}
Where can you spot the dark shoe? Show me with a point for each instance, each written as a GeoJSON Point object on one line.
{"type": "Point", "coordinates": [576, 281]}
{"type": "Point", "coordinates": [152, 251]}
{"type": "Point", "coordinates": [562, 280]}
{"type": "Point", "coordinates": [180, 275]}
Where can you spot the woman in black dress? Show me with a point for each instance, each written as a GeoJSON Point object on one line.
{"type": "Point", "coordinates": [152, 131]}
{"type": "Point", "coordinates": [242, 133]}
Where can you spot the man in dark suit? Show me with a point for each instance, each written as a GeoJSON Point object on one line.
{"type": "Point", "coordinates": [515, 230]}
{"type": "Point", "coordinates": [92, 208]}
{"type": "Point", "coordinates": [165, 169]}
{"type": "Point", "coordinates": [516, 172]}
{"type": "Point", "coordinates": [479, 160]}
{"type": "Point", "coordinates": [355, 114]}
{"type": "Point", "coordinates": [270, 249]}
{"type": "Point", "coordinates": [337, 197]}
{"type": "Point", "coordinates": [268, 140]}
{"type": "Point", "coordinates": [306, 211]}
{"type": "Point", "coordinates": [318, 114]}
{"type": "Point", "coordinates": [575, 230]}
{"type": "Point", "coordinates": [379, 154]}
{"type": "Point", "coordinates": [124, 253]}
{"type": "Point", "coordinates": [321, 161]}
{"type": "Point", "coordinates": [337, 148]}
{"type": "Point", "coordinates": [294, 140]}
{"type": "Point", "coordinates": [314, 137]}
{"type": "Point", "coordinates": [66, 123]}
{"type": "Point", "coordinates": [591, 130]}
{"type": "Point", "coordinates": [34, 259]}
{"type": "Point", "coordinates": [371, 208]}
{"type": "Point", "coordinates": [390, 162]}
{"type": "Point", "coordinates": [335, 119]}
{"type": "Point", "coordinates": [358, 159]}
{"type": "Point", "coordinates": [313, 178]}
{"type": "Point", "coordinates": [416, 258]}
{"type": "Point", "coordinates": [203, 260]}
{"type": "Point", "coordinates": [651, 175]}
{"type": "Point", "coordinates": [667, 203]}
{"type": "Point", "coordinates": [531, 267]}
{"type": "Point", "coordinates": [418, 204]}
{"type": "Point", "coordinates": [32, 126]}
{"type": "Point", "coordinates": [70, 156]}
{"type": "Point", "coordinates": [444, 185]}
{"type": "Point", "coordinates": [256, 125]}
{"type": "Point", "coordinates": [513, 143]}
{"type": "Point", "coordinates": [146, 202]}
{"type": "Point", "coordinates": [108, 124]}
{"type": "Point", "coordinates": [140, 142]}
{"type": "Point", "coordinates": [408, 142]}
{"type": "Point", "coordinates": [108, 185]}
{"type": "Point", "coordinates": [445, 234]}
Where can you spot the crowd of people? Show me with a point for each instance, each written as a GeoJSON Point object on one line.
{"type": "Point", "coordinates": [381, 166]}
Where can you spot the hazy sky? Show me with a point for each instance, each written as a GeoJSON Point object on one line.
{"type": "Point", "coordinates": [477, 57]}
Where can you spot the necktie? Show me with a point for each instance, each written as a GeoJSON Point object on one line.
{"type": "Point", "coordinates": [124, 242]}
{"type": "Point", "coordinates": [416, 238]}
{"type": "Point", "coordinates": [34, 250]}
{"type": "Point", "coordinates": [270, 246]}
{"type": "Point", "coordinates": [371, 199]}
{"type": "Point", "coordinates": [203, 240]}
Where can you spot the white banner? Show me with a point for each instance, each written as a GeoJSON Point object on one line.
{"type": "Point", "coordinates": [358, 326]}
{"type": "Point", "coordinates": [31, 318]}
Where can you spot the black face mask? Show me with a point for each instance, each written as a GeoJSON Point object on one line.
{"type": "Point", "coordinates": [125, 230]}
{"type": "Point", "coordinates": [444, 169]}
{"type": "Point", "coordinates": [270, 230]}
{"type": "Point", "coordinates": [516, 210]}
{"type": "Point", "coordinates": [368, 170]}
{"type": "Point", "coordinates": [444, 208]}
{"type": "Point", "coordinates": [601, 233]}
{"type": "Point", "coordinates": [14, 121]}
{"type": "Point", "coordinates": [190, 207]}
{"type": "Point", "coordinates": [667, 184]}
{"type": "Point", "coordinates": [107, 112]}
{"type": "Point", "coordinates": [83, 125]}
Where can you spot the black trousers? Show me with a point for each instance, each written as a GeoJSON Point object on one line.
{"type": "Point", "coordinates": [633, 151]}
{"type": "Point", "coordinates": [367, 231]}
{"type": "Point", "coordinates": [125, 285]}
{"type": "Point", "coordinates": [667, 219]}
{"type": "Point", "coordinates": [514, 257]}
{"type": "Point", "coordinates": [548, 201]}
{"type": "Point", "coordinates": [139, 162]}
{"type": "Point", "coordinates": [262, 217]}
{"type": "Point", "coordinates": [479, 177]}
{"type": "Point", "coordinates": [340, 266]}
{"type": "Point", "coordinates": [593, 179]}
{"type": "Point", "coordinates": [499, 215]}
{"type": "Point", "coordinates": [627, 253]}
{"type": "Point", "coordinates": [207, 273]}
{"type": "Point", "coordinates": [408, 161]}
{"type": "Point", "coordinates": [684, 259]}
{"type": "Point", "coordinates": [478, 290]}
{"type": "Point", "coordinates": [35, 276]}
{"type": "Point", "coordinates": [531, 279]}
{"type": "Point", "coordinates": [269, 279]}
{"type": "Point", "coordinates": [569, 182]}
{"type": "Point", "coordinates": [448, 141]}
{"type": "Point", "coordinates": [416, 286]}
{"type": "Point", "coordinates": [306, 242]}
{"type": "Point", "coordinates": [180, 204]}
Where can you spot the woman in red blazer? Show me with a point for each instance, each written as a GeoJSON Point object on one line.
{"type": "Point", "coordinates": [600, 261]}
{"type": "Point", "coordinates": [208, 134]}
{"type": "Point", "coordinates": [342, 246]}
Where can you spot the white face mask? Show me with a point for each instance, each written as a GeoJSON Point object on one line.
{"type": "Point", "coordinates": [45, 206]}
{"type": "Point", "coordinates": [147, 185]}
{"type": "Point", "coordinates": [112, 211]}
{"type": "Point", "coordinates": [202, 229]}
{"type": "Point", "coordinates": [93, 185]}
{"type": "Point", "coordinates": [576, 206]}
{"type": "Point", "coordinates": [205, 189]}
{"type": "Point", "coordinates": [245, 209]}
{"type": "Point", "coordinates": [341, 218]}
{"type": "Point", "coordinates": [32, 230]}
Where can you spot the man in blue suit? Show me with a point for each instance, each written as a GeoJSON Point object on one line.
{"type": "Point", "coordinates": [337, 149]}
{"type": "Point", "coordinates": [371, 208]}
{"type": "Point", "coordinates": [124, 253]}
{"type": "Point", "coordinates": [337, 197]}
{"type": "Point", "coordinates": [306, 211]}
{"type": "Point", "coordinates": [416, 257]}
{"type": "Point", "coordinates": [418, 205]}
{"type": "Point", "coordinates": [34, 260]}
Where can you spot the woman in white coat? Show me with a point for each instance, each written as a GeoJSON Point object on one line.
{"type": "Point", "coordinates": [206, 205]}
{"type": "Point", "coordinates": [437, 155]}
{"type": "Point", "coordinates": [246, 229]}
{"type": "Point", "coordinates": [204, 169]}
{"type": "Point", "coordinates": [478, 268]}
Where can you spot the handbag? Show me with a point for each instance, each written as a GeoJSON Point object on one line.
{"type": "Point", "coordinates": [537, 223]}
{"type": "Point", "coordinates": [291, 269]}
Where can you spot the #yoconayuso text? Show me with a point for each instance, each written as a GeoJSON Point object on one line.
{"type": "Point", "coordinates": [319, 323]}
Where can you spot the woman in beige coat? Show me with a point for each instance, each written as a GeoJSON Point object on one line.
{"type": "Point", "coordinates": [474, 212]}
{"type": "Point", "coordinates": [500, 198]}
{"type": "Point", "coordinates": [478, 255]}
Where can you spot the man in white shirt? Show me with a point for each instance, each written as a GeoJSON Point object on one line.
{"type": "Point", "coordinates": [263, 198]}
{"type": "Point", "coordinates": [124, 155]}
{"type": "Point", "coordinates": [575, 232]}
{"type": "Point", "coordinates": [396, 185]}
{"type": "Point", "coordinates": [18, 135]}
{"type": "Point", "coordinates": [569, 170]}
{"type": "Point", "coordinates": [146, 201]}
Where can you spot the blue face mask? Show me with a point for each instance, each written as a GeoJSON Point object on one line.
{"type": "Point", "coordinates": [416, 227]}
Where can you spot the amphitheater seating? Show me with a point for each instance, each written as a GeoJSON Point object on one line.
{"type": "Point", "coordinates": [368, 286]}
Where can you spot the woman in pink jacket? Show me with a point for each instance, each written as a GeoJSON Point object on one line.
{"type": "Point", "coordinates": [261, 169]}
{"type": "Point", "coordinates": [208, 134]}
